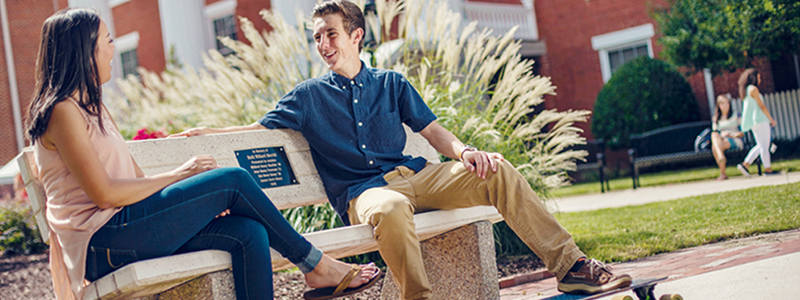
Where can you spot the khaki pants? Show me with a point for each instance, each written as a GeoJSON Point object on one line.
{"type": "Point", "coordinates": [389, 209]}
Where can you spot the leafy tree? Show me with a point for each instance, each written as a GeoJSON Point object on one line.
{"type": "Point", "coordinates": [642, 95]}
{"type": "Point", "coordinates": [727, 34]}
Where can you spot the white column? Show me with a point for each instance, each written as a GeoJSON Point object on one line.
{"type": "Point", "coordinates": [709, 90]}
{"type": "Point", "coordinates": [184, 27]}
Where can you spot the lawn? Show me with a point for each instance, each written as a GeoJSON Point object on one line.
{"type": "Point", "coordinates": [622, 234]}
{"type": "Point", "coordinates": [668, 177]}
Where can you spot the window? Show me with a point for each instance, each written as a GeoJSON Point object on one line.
{"type": "Point", "coordinates": [128, 57]}
{"type": "Point", "coordinates": [618, 47]}
{"type": "Point", "coordinates": [130, 61]}
{"type": "Point", "coordinates": [618, 57]}
{"type": "Point", "coordinates": [222, 22]}
{"type": "Point", "coordinates": [225, 26]}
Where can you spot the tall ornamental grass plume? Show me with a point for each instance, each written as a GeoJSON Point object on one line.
{"type": "Point", "coordinates": [476, 83]}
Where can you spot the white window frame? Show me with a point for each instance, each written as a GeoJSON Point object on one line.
{"type": "Point", "coordinates": [114, 3]}
{"type": "Point", "coordinates": [634, 36]}
{"type": "Point", "coordinates": [216, 11]}
{"type": "Point", "coordinates": [126, 43]}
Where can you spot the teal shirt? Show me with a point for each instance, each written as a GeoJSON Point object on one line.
{"type": "Point", "coordinates": [751, 113]}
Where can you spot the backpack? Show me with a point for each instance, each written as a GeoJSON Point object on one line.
{"type": "Point", "coordinates": [703, 140]}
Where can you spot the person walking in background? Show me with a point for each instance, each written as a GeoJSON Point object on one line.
{"type": "Point", "coordinates": [726, 134]}
{"type": "Point", "coordinates": [104, 213]}
{"type": "Point", "coordinates": [757, 118]}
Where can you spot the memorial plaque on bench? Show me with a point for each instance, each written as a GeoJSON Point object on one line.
{"type": "Point", "coordinates": [269, 166]}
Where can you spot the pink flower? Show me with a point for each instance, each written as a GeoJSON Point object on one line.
{"type": "Point", "coordinates": [146, 134]}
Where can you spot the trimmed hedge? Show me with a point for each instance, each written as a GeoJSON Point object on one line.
{"type": "Point", "coordinates": [642, 95]}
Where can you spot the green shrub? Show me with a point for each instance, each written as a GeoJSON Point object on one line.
{"type": "Point", "coordinates": [18, 233]}
{"type": "Point", "coordinates": [642, 95]}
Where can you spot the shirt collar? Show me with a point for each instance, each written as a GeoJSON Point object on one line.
{"type": "Point", "coordinates": [344, 82]}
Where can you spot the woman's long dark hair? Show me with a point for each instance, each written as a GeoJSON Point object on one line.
{"type": "Point", "coordinates": [66, 65]}
{"type": "Point", "coordinates": [749, 77]}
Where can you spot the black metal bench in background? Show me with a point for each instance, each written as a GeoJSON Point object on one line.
{"type": "Point", "coordinates": [675, 144]}
{"type": "Point", "coordinates": [595, 160]}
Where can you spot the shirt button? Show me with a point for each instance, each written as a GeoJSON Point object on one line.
{"type": "Point", "coordinates": [360, 124]}
{"type": "Point", "coordinates": [363, 146]}
{"type": "Point", "coordinates": [371, 162]}
{"type": "Point", "coordinates": [352, 83]}
{"type": "Point", "coordinates": [355, 101]}
{"type": "Point", "coordinates": [360, 84]}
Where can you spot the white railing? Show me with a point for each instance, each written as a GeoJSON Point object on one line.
{"type": "Point", "coordinates": [785, 108]}
{"type": "Point", "coordinates": [500, 18]}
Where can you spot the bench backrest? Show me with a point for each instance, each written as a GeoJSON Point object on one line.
{"type": "Point", "coordinates": [596, 151]}
{"type": "Point", "coordinates": [666, 140]}
{"type": "Point", "coordinates": [161, 155]}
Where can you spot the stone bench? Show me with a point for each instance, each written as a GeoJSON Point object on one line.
{"type": "Point", "coordinates": [458, 245]}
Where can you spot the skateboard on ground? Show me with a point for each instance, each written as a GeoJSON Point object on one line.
{"type": "Point", "coordinates": [643, 288]}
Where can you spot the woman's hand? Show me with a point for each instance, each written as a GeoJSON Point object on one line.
{"type": "Point", "coordinates": [772, 122]}
{"type": "Point", "coordinates": [480, 162]}
{"type": "Point", "coordinates": [196, 165]}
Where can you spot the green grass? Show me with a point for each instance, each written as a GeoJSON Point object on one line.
{"type": "Point", "coordinates": [622, 234]}
{"type": "Point", "coordinates": [668, 177]}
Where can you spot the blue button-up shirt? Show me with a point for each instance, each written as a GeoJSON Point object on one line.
{"type": "Point", "coordinates": [354, 128]}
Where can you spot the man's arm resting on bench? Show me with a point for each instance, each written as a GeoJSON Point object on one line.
{"type": "Point", "coordinates": [206, 130]}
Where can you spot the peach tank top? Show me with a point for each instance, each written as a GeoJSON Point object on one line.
{"type": "Point", "coordinates": [73, 218]}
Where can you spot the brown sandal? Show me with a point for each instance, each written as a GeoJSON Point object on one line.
{"type": "Point", "coordinates": [342, 289]}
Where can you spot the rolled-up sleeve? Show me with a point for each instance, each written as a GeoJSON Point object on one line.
{"type": "Point", "coordinates": [413, 110]}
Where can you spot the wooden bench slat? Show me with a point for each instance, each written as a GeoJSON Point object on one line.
{"type": "Point", "coordinates": [36, 195]}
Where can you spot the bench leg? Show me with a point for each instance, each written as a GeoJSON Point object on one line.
{"type": "Point", "coordinates": [460, 265]}
{"type": "Point", "coordinates": [212, 286]}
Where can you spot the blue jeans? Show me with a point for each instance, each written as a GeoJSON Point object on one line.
{"type": "Point", "coordinates": [181, 218]}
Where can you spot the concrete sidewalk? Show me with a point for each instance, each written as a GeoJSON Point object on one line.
{"type": "Point", "coordinates": [665, 192]}
{"type": "Point", "coordinates": [760, 267]}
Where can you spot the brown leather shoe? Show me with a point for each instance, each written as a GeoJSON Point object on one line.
{"type": "Point", "coordinates": [594, 277]}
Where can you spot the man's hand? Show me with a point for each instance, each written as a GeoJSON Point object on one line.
{"type": "Point", "coordinates": [480, 162]}
{"type": "Point", "coordinates": [191, 132]}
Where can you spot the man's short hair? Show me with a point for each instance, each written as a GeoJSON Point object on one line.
{"type": "Point", "coordinates": [352, 17]}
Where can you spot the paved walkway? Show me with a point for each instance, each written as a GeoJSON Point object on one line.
{"type": "Point", "coordinates": [760, 267]}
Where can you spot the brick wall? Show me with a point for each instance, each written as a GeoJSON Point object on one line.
{"type": "Point", "coordinates": [25, 20]}
{"type": "Point", "coordinates": [567, 27]}
{"type": "Point", "coordinates": [142, 16]}
{"type": "Point", "coordinates": [8, 144]}
{"type": "Point", "coordinates": [250, 9]}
